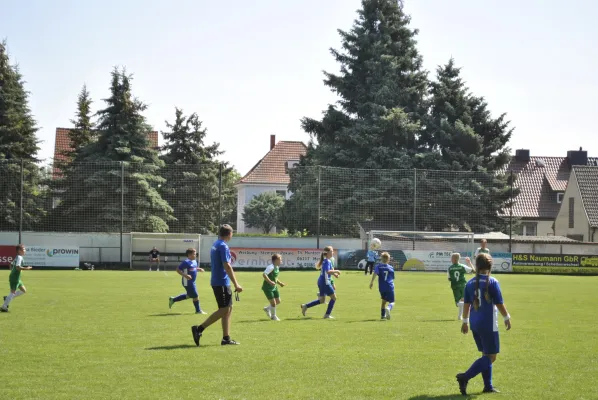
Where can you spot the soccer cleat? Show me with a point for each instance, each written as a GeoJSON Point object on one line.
{"type": "Point", "coordinates": [267, 311]}
{"type": "Point", "coordinates": [170, 302]}
{"type": "Point", "coordinates": [491, 390]}
{"type": "Point", "coordinates": [201, 312]}
{"type": "Point", "coordinates": [196, 334]}
{"type": "Point", "coordinates": [228, 342]}
{"type": "Point", "coordinates": [303, 309]}
{"type": "Point", "coordinates": [2, 309]}
{"type": "Point", "coordinates": [275, 318]}
{"type": "Point", "coordinates": [328, 316]}
{"type": "Point", "coordinates": [387, 313]}
{"type": "Point", "coordinates": [462, 380]}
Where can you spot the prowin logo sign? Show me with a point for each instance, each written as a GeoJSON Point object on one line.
{"type": "Point", "coordinates": [62, 252]}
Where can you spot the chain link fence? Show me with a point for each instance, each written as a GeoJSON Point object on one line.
{"type": "Point", "coordinates": [124, 197]}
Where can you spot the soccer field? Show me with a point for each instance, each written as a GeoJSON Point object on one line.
{"type": "Point", "coordinates": [110, 335]}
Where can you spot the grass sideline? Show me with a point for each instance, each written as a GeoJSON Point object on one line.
{"type": "Point", "coordinates": [110, 335]}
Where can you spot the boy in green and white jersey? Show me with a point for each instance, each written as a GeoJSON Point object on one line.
{"type": "Point", "coordinates": [269, 286]}
{"type": "Point", "coordinates": [14, 279]}
{"type": "Point", "coordinates": [456, 275]}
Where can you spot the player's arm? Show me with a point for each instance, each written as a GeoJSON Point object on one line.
{"type": "Point", "coordinates": [265, 275]}
{"type": "Point", "coordinates": [179, 271]}
{"type": "Point", "coordinates": [374, 276]}
{"type": "Point", "coordinates": [231, 274]}
{"type": "Point", "coordinates": [469, 266]}
{"type": "Point", "coordinates": [20, 268]}
{"type": "Point", "coordinates": [497, 299]}
{"type": "Point", "coordinates": [448, 274]}
{"type": "Point", "coordinates": [505, 314]}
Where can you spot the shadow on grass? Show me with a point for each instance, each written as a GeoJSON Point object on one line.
{"type": "Point", "coordinates": [443, 397]}
{"type": "Point", "coordinates": [166, 315]}
{"type": "Point", "coordinates": [172, 347]}
{"type": "Point", "coordinates": [365, 320]}
{"type": "Point", "coordinates": [252, 321]}
{"type": "Point", "coordinates": [299, 319]}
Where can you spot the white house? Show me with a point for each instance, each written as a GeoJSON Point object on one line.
{"type": "Point", "coordinates": [270, 174]}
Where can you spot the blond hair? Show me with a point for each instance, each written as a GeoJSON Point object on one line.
{"type": "Point", "coordinates": [385, 257]}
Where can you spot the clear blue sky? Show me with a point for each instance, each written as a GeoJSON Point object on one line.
{"type": "Point", "coordinates": [253, 68]}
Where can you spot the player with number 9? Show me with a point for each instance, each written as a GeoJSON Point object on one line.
{"type": "Point", "coordinates": [456, 275]}
{"type": "Point", "coordinates": [386, 284]}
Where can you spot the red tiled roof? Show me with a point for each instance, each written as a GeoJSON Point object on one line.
{"type": "Point", "coordinates": [272, 168]}
{"type": "Point", "coordinates": [538, 181]}
{"type": "Point", "coordinates": [62, 144]}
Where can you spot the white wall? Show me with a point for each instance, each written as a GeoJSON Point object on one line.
{"type": "Point", "coordinates": [245, 193]}
{"type": "Point", "coordinates": [580, 218]}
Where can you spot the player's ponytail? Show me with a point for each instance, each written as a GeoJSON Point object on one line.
{"type": "Point", "coordinates": [476, 300]}
{"type": "Point", "coordinates": [483, 263]}
{"type": "Point", "coordinates": [326, 250]}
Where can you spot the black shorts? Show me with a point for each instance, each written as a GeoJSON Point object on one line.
{"type": "Point", "coordinates": [224, 296]}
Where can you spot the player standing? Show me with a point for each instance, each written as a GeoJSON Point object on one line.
{"type": "Point", "coordinates": [456, 275]}
{"type": "Point", "coordinates": [222, 275]}
{"type": "Point", "coordinates": [269, 286]}
{"type": "Point", "coordinates": [386, 284]}
{"type": "Point", "coordinates": [484, 294]}
{"type": "Point", "coordinates": [154, 257]}
{"type": "Point", "coordinates": [188, 271]}
{"type": "Point", "coordinates": [372, 257]}
{"type": "Point", "coordinates": [483, 249]}
{"type": "Point", "coordinates": [324, 285]}
{"type": "Point", "coordinates": [14, 279]}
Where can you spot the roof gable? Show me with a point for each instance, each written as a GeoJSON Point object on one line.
{"type": "Point", "coordinates": [272, 169]}
{"type": "Point", "coordinates": [587, 181]}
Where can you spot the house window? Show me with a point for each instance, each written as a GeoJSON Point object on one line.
{"type": "Point", "coordinates": [571, 212]}
{"type": "Point", "coordinates": [529, 228]}
{"type": "Point", "coordinates": [282, 193]}
{"type": "Point", "coordinates": [559, 197]}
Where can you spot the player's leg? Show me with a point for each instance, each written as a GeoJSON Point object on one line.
{"type": "Point", "coordinates": [273, 303]}
{"type": "Point", "coordinates": [383, 308]}
{"type": "Point", "coordinates": [150, 264]}
{"type": "Point", "coordinates": [331, 303]}
{"type": "Point", "coordinates": [270, 297]}
{"type": "Point", "coordinates": [321, 300]}
{"type": "Point", "coordinates": [480, 365]}
{"type": "Point", "coordinates": [192, 294]}
{"type": "Point", "coordinates": [158, 262]}
{"type": "Point", "coordinates": [21, 290]}
{"type": "Point", "coordinates": [8, 299]}
{"type": "Point", "coordinates": [224, 298]}
{"type": "Point", "coordinates": [491, 345]}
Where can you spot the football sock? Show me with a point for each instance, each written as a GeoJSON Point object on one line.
{"type": "Point", "coordinates": [313, 303]}
{"type": "Point", "coordinates": [200, 328]}
{"type": "Point", "coordinates": [330, 307]}
{"type": "Point", "coordinates": [383, 312]}
{"type": "Point", "coordinates": [196, 304]}
{"type": "Point", "coordinates": [487, 376]}
{"type": "Point", "coordinates": [273, 311]}
{"type": "Point", "coordinates": [391, 306]}
{"type": "Point", "coordinates": [18, 293]}
{"type": "Point", "coordinates": [479, 365]}
{"type": "Point", "coordinates": [180, 297]}
{"type": "Point", "coordinates": [7, 301]}
{"type": "Point", "coordinates": [460, 305]}
{"type": "Point", "coordinates": [226, 338]}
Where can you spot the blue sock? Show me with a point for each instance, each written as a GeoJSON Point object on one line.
{"type": "Point", "coordinates": [196, 304]}
{"type": "Point", "coordinates": [479, 365]}
{"type": "Point", "coordinates": [330, 307]}
{"type": "Point", "coordinates": [313, 304]}
{"type": "Point", "coordinates": [487, 375]}
{"type": "Point", "coordinates": [180, 297]}
{"type": "Point", "coordinates": [382, 312]}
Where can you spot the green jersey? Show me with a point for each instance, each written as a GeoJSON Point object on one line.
{"type": "Point", "coordinates": [482, 251]}
{"type": "Point", "coordinates": [15, 273]}
{"type": "Point", "coordinates": [271, 272]}
{"type": "Point", "coordinates": [456, 274]}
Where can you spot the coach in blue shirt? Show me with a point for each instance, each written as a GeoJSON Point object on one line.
{"type": "Point", "coordinates": [222, 275]}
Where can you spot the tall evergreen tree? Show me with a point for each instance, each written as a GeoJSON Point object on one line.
{"type": "Point", "coordinates": [18, 147]}
{"type": "Point", "coordinates": [82, 133]}
{"type": "Point", "coordinates": [121, 158]}
{"type": "Point", "coordinates": [376, 124]}
{"type": "Point", "coordinates": [192, 176]}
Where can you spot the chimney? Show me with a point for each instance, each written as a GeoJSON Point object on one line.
{"type": "Point", "coordinates": [272, 141]}
{"type": "Point", "coordinates": [577, 157]}
{"type": "Point", "coordinates": [522, 155]}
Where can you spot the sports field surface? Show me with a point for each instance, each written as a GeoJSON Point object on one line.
{"type": "Point", "coordinates": [110, 335]}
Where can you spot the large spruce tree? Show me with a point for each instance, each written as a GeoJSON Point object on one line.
{"type": "Point", "coordinates": [118, 173]}
{"type": "Point", "coordinates": [18, 151]}
{"type": "Point", "coordinates": [192, 174]}
{"type": "Point", "coordinates": [376, 124]}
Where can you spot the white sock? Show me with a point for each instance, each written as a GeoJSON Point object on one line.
{"type": "Point", "coordinates": [18, 293]}
{"type": "Point", "coordinates": [273, 311]}
{"type": "Point", "coordinates": [7, 301]}
{"type": "Point", "coordinates": [460, 305]}
{"type": "Point", "coordinates": [391, 306]}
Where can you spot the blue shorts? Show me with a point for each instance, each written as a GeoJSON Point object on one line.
{"type": "Point", "coordinates": [191, 291]}
{"type": "Point", "coordinates": [326, 290]}
{"type": "Point", "coordinates": [487, 342]}
{"type": "Point", "coordinates": [388, 296]}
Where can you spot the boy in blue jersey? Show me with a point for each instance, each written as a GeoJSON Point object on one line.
{"type": "Point", "coordinates": [372, 257]}
{"type": "Point", "coordinates": [483, 293]}
{"type": "Point", "coordinates": [188, 271]}
{"type": "Point", "coordinates": [324, 284]}
{"type": "Point", "coordinates": [386, 284]}
{"type": "Point", "coordinates": [222, 275]}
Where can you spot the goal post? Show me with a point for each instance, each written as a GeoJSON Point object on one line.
{"type": "Point", "coordinates": [421, 250]}
{"type": "Point", "coordinates": [172, 248]}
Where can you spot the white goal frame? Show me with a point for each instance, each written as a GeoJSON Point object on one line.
{"type": "Point", "coordinates": [460, 242]}
{"type": "Point", "coordinates": [166, 243]}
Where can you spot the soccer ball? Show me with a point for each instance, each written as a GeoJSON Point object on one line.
{"type": "Point", "coordinates": [375, 244]}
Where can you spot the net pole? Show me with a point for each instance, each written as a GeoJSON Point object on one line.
{"type": "Point", "coordinates": [122, 207]}
{"type": "Point", "coordinates": [319, 207]}
{"type": "Point", "coordinates": [21, 203]}
{"type": "Point", "coordinates": [414, 204]}
{"type": "Point", "coordinates": [220, 195]}
{"type": "Point", "coordinates": [511, 216]}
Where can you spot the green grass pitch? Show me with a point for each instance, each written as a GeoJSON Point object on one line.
{"type": "Point", "coordinates": [110, 335]}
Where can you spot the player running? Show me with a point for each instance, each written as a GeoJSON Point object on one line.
{"type": "Point", "coordinates": [484, 294]}
{"type": "Point", "coordinates": [386, 284]}
{"type": "Point", "coordinates": [188, 271]}
{"type": "Point", "coordinates": [456, 275]}
{"type": "Point", "coordinates": [269, 286]}
{"type": "Point", "coordinates": [324, 285]}
{"type": "Point", "coordinates": [14, 279]}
